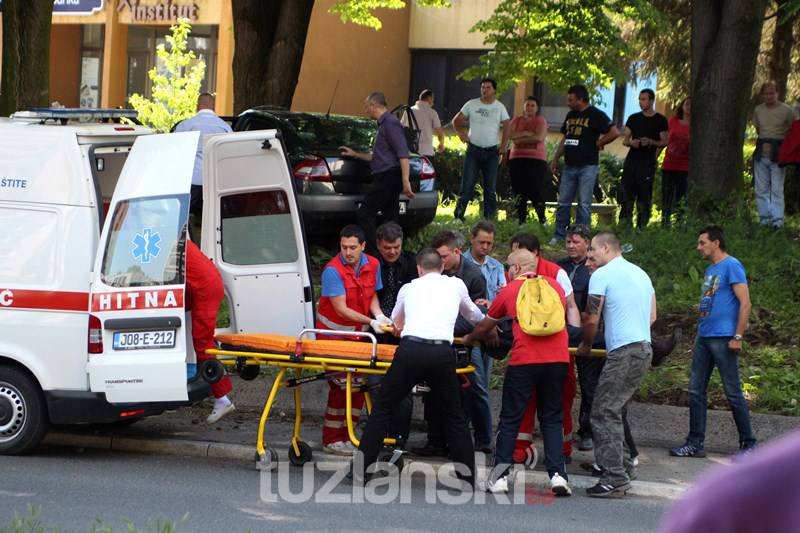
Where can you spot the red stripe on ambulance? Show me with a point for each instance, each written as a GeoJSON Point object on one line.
{"type": "Point", "coordinates": [144, 299]}
{"type": "Point", "coordinates": [47, 300]}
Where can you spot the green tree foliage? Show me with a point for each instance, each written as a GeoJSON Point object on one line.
{"type": "Point", "coordinates": [361, 11]}
{"type": "Point", "coordinates": [560, 42]}
{"type": "Point", "coordinates": [176, 85]}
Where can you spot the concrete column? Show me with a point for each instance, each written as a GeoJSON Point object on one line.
{"type": "Point", "coordinates": [115, 58]}
{"type": "Point", "coordinates": [225, 46]}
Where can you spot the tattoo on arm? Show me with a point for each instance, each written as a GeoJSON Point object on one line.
{"type": "Point", "coordinates": [594, 304]}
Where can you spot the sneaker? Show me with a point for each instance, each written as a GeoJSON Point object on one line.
{"type": "Point", "coordinates": [607, 490]}
{"type": "Point", "coordinates": [593, 468]}
{"type": "Point", "coordinates": [485, 447]}
{"type": "Point", "coordinates": [586, 444]}
{"type": "Point", "coordinates": [499, 486]}
{"type": "Point", "coordinates": [559, 486]}
{"type": "Point", "coordinates": [745, 450]}
{"type": "Point", "coordinates": [344, 448]}
{"type": "Point", "coordinates": [218, 412]}
{"type": "Point", "coordinates": [635, 461]}
{"type": "Point", "coordinates": [459, 221]}
{"type": "Point", "coordinates": [688, 450]}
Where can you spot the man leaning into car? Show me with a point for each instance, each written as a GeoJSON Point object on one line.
{"type": "Point", "coordinates": [389, 166]}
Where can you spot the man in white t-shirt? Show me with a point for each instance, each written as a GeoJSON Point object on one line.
{"type": "Point", "coordinates": [486, 117]}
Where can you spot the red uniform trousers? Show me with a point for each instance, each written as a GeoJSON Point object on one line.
{"type": "Point", "coordinates": [334, 427]}
{"type": "Point", "coordinates": [204, 293]}
{"type": "Point", "coordinates": [526, 427]}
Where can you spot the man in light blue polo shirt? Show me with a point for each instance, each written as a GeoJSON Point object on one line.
{"type": "Point", "coordinates": [624, 294]}
{"type": "Point", "coordinates": [476, 399]}
{"type": "Point", "coordinates": [206, 122]}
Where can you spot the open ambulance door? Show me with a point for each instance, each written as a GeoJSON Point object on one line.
{"type": "Point", "coordinates": [252, 231]}
{"type": "Point", "coordinates": [137, 339]}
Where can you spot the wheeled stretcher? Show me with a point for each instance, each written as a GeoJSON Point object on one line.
{"type": "Point", "coordinates": [246, 353]}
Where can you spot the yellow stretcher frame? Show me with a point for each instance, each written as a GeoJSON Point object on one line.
{"type": "Point", "coordinates": [299, 452]}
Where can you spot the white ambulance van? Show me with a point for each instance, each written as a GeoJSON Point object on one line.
{"type": "Point", "coordinates": [94, 225]}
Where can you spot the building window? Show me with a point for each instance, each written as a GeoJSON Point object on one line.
{"type": "Point", "coordinates": [92, 36]}
{"type": "Point", "coordinates": [142, 42]}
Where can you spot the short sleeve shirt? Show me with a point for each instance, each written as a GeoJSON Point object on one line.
{"type": "Point", "coordinates": [719, 306]}
{"type": "Point", "coordinates": [628, 294]}
{"type": "Point", "coordinates": [582, 129]}
{"type": "Point", "coordinates": [642, 126]}
{"type": "Point", "coordinates": [428, 121]}
{"type": "Point", "coordinates": [527, 349]}
{"type": "Point", "coordinates": [333, 285]}
{"type": "Point", "coordinates": [493, 272]}
{"type": "Point", "coordinates": [484, 121]}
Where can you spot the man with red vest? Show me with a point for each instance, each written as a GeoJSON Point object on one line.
{"type": "Point", "coordinates": [543, 267]}
{"type": "Point", "coordinates": [350, 285]}
{"type": "Point", "coordinates": [204, 293]}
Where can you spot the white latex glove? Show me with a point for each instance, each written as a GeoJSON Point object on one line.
{"type": "Point", "coordinates": [377, 326]}
{"type": "Point", "coordinates": [383, 319]}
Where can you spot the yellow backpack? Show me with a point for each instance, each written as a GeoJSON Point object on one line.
{"type": "Point", "coordinates": [539, 309]}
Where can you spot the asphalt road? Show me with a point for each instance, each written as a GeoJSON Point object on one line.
{"type": "Point", "coordinates": [76, 489]}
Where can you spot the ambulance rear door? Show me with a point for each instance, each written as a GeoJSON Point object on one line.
{"type": "Point", "coordinates": [137, 324]}
{"type": "Point", "coordinates": [252, 231]}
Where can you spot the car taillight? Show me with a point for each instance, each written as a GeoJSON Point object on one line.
{"type": "Point", "coordinates": [95, 335]}
{"type": "Point", "coordinates": [312, 170]}
{"type": "Point", "coordinates": [427, 172]}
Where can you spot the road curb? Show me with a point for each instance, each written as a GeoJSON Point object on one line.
{"type": "Point", "coordinates": [240, 452]}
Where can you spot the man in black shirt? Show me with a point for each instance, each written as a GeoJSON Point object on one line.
{"type": "Point", "coordinates": [586, 131]}
{"type": "Point", "coordinates": [398, 267]}
{"type": "Point", "coordinates": [645, 134]}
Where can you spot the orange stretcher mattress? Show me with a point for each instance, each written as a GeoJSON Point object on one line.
{"type": "Point", "coordinates": [268, 343]}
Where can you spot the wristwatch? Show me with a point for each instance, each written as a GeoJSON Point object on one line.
{"type": "Point", "coordinates": [737, 337]}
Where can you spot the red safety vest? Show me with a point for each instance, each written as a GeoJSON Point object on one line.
{"type": "Point", "coordinates": [359, 290]}
{"type": "Point", "coordinates": [547, 268]}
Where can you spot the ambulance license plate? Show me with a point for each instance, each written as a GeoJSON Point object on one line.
{"type": "Point", "coordinates": [143, 340]}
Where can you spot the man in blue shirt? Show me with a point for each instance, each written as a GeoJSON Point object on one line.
{"type": "Point", "coordinates": [206, 122]}
{"type": "Point", "coordinates": [388, 163]}
{"type": "Point", "coordinates": [624, 294]}
{"type": "Point", "coordinates": [476, 399]}
{"type": "Point", "coordinates": [724, 311]}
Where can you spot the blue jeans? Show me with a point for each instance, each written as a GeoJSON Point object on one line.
{"type": "Point", "coordinates": [768, 182]}
{"type": "Point", "coordinates": [708, 352]}
{"type": "Point", "coordinates": [547, 380]}
{"type": "Point", "coordinates": [476, 398]}
{"type": "Point", "coordinates": [484, 160]}
{"type": "Point", "coordinates": [574, 180]}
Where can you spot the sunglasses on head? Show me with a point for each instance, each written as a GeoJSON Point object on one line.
{"type": "Point", "coordinates": [579, 229]}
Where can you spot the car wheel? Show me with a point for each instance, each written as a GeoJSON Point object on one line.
{"type": "Point", "coordinates": [23, 416]}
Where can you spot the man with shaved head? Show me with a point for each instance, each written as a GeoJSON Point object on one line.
{"type": "Point", "coordinates": [623, 293]}
{"type": "Point", "coordinates": [537, 364]}
{"type": "Point", "coordinates": [207, 123]}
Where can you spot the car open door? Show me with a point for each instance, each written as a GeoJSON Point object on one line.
{"type": "Point", "coordinates": [137, 335]}
{"type": "Point", "coordinates": [253, 232]}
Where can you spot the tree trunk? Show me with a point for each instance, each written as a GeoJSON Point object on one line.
{"type": "Point", "coordinates": [781, 54]}
{"type": "Point", "coordinates": [26, 54]}
{"type": "Point", "coordinates": [725, 43]}
{"type": "Point", "coordinates": [270, 37]}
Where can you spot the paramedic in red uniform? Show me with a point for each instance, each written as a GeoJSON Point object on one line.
{"type": "Point", "coordinates": [350, 285]}
{"type": "Point", "coordinates": [204, 293]}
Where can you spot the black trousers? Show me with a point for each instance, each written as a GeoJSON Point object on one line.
{"type": "Point", "coordinates": [674, 184]}
{"type": "Point", "coordinates": [435, 364]}
{"type": "Point", "coordinates": [637, 186]}
{"type": "Point", "coordinates": [384, 197]}
{"type": "Point", "coordinates": [527, 181]}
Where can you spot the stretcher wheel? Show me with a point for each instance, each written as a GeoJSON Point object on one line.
{"type": "Point", "coordinates": [305, 454]}
{"type": "Point", "coordinates": [267, 461]}
{"type": "Point", "coordinates": [212, 371]}
{"type": "Point", "coordinates": [393, 456]}
{"type": "Point", "coordinates": [249, 372]}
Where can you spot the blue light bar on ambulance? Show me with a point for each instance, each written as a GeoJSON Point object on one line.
{"type": "Point", "coordinates": [76, 114]}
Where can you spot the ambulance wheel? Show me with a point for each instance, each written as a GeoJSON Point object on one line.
{"type": "Point", "coordinates": [305, 454]}
{"type": "Point", "coordinates": [212, 371]}
{"type": "Point", "coordinates": [267, 461]}
{"type": "Point", "coordinates": [249, 372]}
{"type": "Point", "coordinates": [385, 456]}
{"type": "Point", "coordinates": [23, 414]}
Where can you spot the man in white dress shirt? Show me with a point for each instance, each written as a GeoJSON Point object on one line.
{"type": "Point", "coordinates": [425, 314]}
